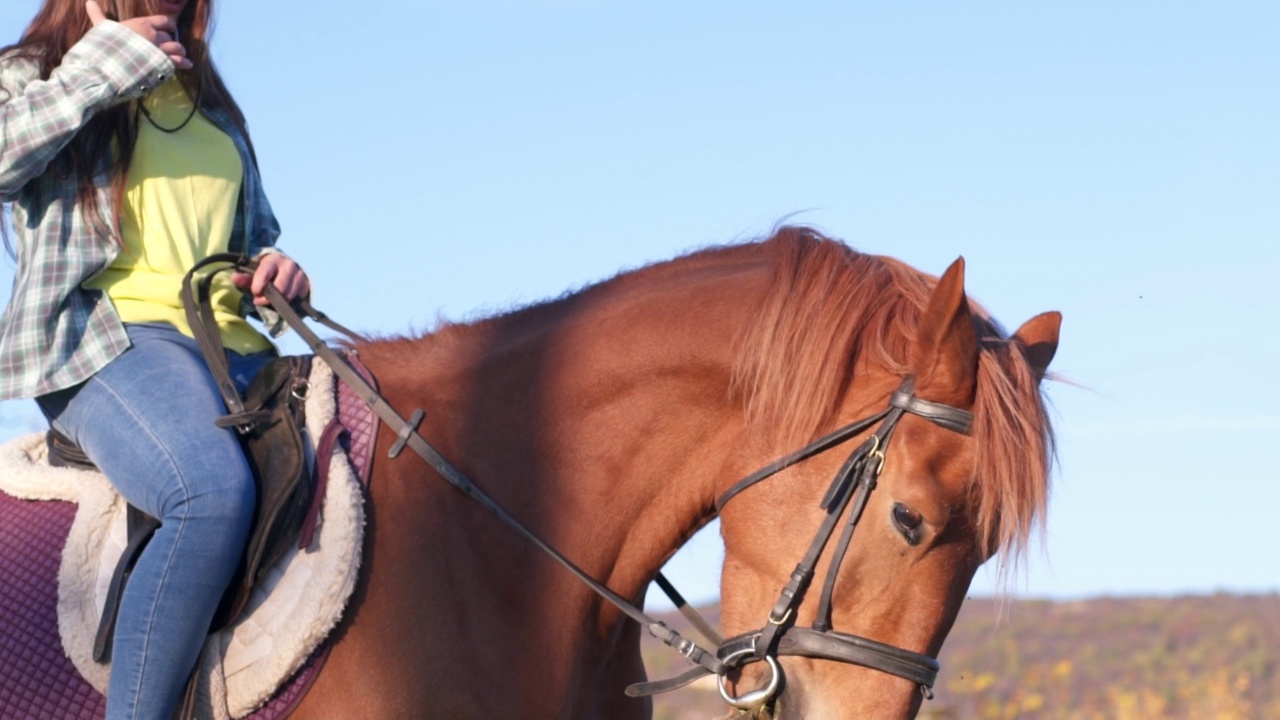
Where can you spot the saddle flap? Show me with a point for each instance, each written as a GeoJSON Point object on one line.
{"type": "Point", "coordinates": [277, 454]}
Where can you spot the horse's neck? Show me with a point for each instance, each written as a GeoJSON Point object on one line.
{"type": "Point", "coordinates": [603, 425]}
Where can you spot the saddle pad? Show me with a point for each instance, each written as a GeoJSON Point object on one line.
{"type": "Point", "coordinates": [241, 667]}
{"type": "Point", "coordinates": [37, 680]}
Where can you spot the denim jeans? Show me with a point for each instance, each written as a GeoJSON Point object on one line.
{"type": "Point", "coordinates": [147, 420]}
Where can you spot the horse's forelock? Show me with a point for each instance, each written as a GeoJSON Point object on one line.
{"type": "Point", "coordinates": [827, 305]}
{"type": "Point", "coordinates": [1015, 449]}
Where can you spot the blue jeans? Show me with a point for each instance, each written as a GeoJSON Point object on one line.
{"type": "Point", "coordinates": [146, 420]}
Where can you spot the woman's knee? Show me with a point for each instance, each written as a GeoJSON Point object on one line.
{"type": "Point", "coordinates": [226, 495]}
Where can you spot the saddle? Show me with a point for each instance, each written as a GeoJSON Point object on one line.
{"type": "Point", "coordinates": [286, 494]}
{"type": "Point", "coordinates": [268, 419]}
{"type": "Point", "coordinates": [58, 558]}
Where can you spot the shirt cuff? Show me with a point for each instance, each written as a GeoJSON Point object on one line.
{"type": "Point", "coordinates": [131, 65]}
{"type": "Point", "coordinates": [271, 320]}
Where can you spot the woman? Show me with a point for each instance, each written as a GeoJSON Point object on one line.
{"type": "Point", "coordinates": [124, 161]}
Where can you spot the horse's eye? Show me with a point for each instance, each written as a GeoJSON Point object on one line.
{"type": "Point", "coordinates": [909, 523]}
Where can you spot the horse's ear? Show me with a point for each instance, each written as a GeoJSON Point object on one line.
{"type": "Point", "coordinates": [1039, 340]}
{"type": "Point", "coordinates": [944, 357]}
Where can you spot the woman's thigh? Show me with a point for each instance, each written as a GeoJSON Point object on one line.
{"type": "Point", "coordinates": [147, 420]}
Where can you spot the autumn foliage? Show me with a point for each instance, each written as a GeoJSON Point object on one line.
{"type": "Point", "coordinates": [1186, 658]}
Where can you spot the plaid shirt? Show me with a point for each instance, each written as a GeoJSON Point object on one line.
{"type": "Point", "coordinates": [55, 333]}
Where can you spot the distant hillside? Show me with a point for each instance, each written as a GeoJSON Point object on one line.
{"type": "Point", "coordinates": [1193, 658]}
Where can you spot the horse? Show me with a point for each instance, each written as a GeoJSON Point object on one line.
{"type": "Point", "coordinates": [610, 420]}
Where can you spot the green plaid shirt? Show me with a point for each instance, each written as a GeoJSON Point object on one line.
{"type": "Point", "coordinates": [55, 333]}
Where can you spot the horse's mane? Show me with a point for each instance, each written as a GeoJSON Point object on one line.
{"type": "Point", "coordinates": [514, 324]}
{"type": "Point", "coordinates": [832, 305]}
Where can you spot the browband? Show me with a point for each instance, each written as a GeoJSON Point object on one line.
{"type": "Point", "coordinates": [951, 418]}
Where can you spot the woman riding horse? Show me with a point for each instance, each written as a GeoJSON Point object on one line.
{"type": "Point", "coordinates": [126, 160]}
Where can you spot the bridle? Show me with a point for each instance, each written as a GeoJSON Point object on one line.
{"type": "Point", "coordinates": [850, 491]}
{"type": "Point", "coordinates": [778, 637]}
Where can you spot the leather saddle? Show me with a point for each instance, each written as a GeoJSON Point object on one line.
{"type": "Point", "coordinates": [272, 440]}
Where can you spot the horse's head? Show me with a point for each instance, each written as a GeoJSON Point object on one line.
{"type": "Point", "coordinates": [947, 499]}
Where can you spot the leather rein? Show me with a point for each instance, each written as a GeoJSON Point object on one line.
{"type": "Point", "coordinates": [849, 490]}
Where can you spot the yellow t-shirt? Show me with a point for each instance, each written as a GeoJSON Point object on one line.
{"type": "Point", "coordinates": [179, 208]}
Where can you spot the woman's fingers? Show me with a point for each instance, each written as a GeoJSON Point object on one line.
{"type": "Point", "coordinates": [177, 53]}
{"type": "Point", "coordinates": [276, 270]}
{"type": "Point", "coordinates": [95, 12]}
{"type": "Point", "coordinates": [290, 280]}
{"type": "Point", "coordinates": [159, 30]}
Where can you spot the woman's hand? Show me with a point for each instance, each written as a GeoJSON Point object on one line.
{"type": "Point", "coordinates": [157, 29]}
{"type": "Point", "coordinates": [278, 270]}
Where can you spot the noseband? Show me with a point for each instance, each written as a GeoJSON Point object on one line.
{"type": "Point", "coordinates": [849, 490]}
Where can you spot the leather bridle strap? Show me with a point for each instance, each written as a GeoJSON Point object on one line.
{"type": "Point", "coordinates": [951, 418]}
{"type": "Point", "coordinates": [822, 444]}
{"type": "Point", "coordinates": [868, 476]}
{"type": "Point", "coordinates": [945, 416]}
{"type": "Point", "coordinates": [197, 304]}
{"type": "Point", "coordinates": [834, 503]}
{"type": "Point", "coordinates": [918, 668]}
{"type": "Point", "coordinates": [696, 620]}
{"type": "Point", "coordinates": [805, 642]}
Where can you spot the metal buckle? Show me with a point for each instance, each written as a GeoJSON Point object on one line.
{"type": "Point", "coordinates": [876, 453]}
{"type": "Point", "coordinates": [687, 648]}
{"type": "Point", "coordinates": [755, 698]}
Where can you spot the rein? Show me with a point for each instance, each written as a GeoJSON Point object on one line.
{"type": "Point", "coordinates": [408, 436]}
{"type": "Point", "coordinates": [850, 488]}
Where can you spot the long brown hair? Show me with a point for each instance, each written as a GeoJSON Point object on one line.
{"type": "Point", "coordinates": [60, 24]}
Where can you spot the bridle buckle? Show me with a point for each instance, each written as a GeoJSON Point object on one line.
{"type": "Point", "coordinates": [876, 453]}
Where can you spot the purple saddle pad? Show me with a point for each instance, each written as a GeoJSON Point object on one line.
{"type": "Point", "coordinates": [37, 680]}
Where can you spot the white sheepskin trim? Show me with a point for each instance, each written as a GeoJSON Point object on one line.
{"type": "Point", "coordinates": [290, 612]}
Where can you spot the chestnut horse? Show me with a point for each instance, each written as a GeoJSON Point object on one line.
{"type": "Point", "coordinates": [610, 420]}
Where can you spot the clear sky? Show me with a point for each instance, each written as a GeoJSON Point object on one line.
{"type": "Point", "coordinates": [1118, 162]}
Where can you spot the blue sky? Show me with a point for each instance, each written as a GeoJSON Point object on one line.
{"type": "Point", "coordinates": [1117, 162]}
